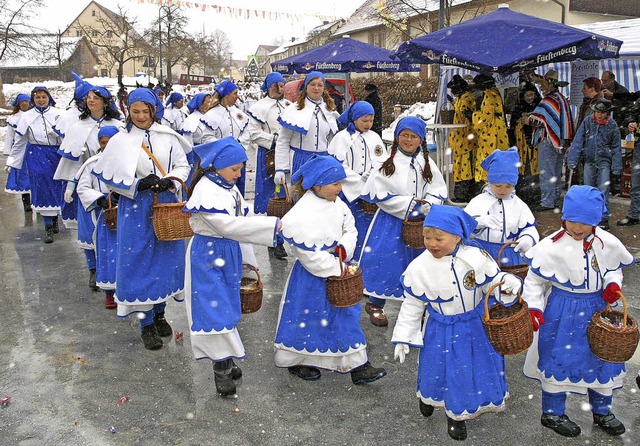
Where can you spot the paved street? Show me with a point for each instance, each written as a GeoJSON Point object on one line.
{"type": "Point", "coordinates": [66, 362]}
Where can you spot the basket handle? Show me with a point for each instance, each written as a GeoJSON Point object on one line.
{"type": "Point", "coordinates": [624, 307]}
{"type": "Point", "coordinates": [417, 200]}
{"type": "Point", "coordinates": [286, 192]}
{"type": "Point", "coordinates": [109, 201]}
{"type": "Point", "coordinates": [502, 249]}
{"type": "Point", "coordinates": [182, 183]}
{"type": "Point", "coordinates": [253, 268]}
{"type": "Point", "coordinates": [486, 317]}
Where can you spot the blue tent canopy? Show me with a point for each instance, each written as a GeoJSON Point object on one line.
{"type": "Point", "coordinates": [344, 55]}
{"type": "Point", "coordinates": [505, 41]}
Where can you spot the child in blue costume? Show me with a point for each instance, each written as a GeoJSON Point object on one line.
{"type": "Point", "coordinates": [574, 273]}
{"type": "Point", "coordinates": [92, 230]}
{"type": "Point", "coordinates": [148, 271]}
{"type": "Point", "coordinates": [223, 227]}
{"type": "Point", "coordinates": [311, 333]}
{"type": "Point", "coordinates": [458, 368]}
{"type": "Point", "coordinates": [501, 215]}
{"type": "Point", "coordinates": [406, 176]}
{"type": "Point", "coordinates": [360, 150]}
{"type": "Point", "coordinates": [18, 179]}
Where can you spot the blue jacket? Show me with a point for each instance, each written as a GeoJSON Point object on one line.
{"type": "Point", "coordinates": [597, 143]}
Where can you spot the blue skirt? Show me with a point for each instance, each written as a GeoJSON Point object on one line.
{"type": "Point", "coordinates": [148, 270]}
{"type": "Point", "coordinates": [216, 273]}
{"type": "Point", "coordinates": [385, 257]}
{"type": "Point", "coordinates": [308, 322]}
{"type": "Point", "coordinates": [87, 226]}
{"type": "Point", "coordinates": [563, 347]}
{"type": "Point", "coordinates": [106, 255]}
{"type": "Point", "coordinates": [18, 180]}
{"type": "Point", "coordinates": [509, 255]}
{"type": "Point", "coordinates": [300, 157]}
{"type": "Point", "coordinates": [46, 193]}
{"type": "Point", "coordinates": [458, 367]}
{"type": "Point", "coordinates": [362, 224]}
{"type": "Point", "coordinates": [265, 187]}
{"type": "Point", "coordinates": [70, 211]}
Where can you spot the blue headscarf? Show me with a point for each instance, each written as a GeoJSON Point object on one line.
{"type": "Point", "coordinates": [272, 78]}
{"type": "Point", "coordinates": [225, 88]}
{"type": "Point", "coordinates": [502, 166]}
{"type": "Point", "coordinates": [222, 153]}
{"type": "Point", "coordinates": [173, 98]}
{"type": "Point", "coordinates": [82, 87]}
{"type": "Point", "coordinates": [147, 96]}
{"type": "Point", "coordinates": [451, 219]}
{"type": "Point", "coordinates": [107, 130]}
{"type": "Point", "coordinates": [354, 112]}
{"type": "Point", "coordinates": [196, 102]}
{"type": "Point", "coordinates": [311, 76]}
{"type": "Point", "coordinates": [42, 88]}
{"type": "Point", "coordinates": [157, 91]}
{"type": "Point", "coordinates": [416, 125]}
{"type": "Point", "coordinates": [21, 97]}
{"type": "Point", "coordinates": [584, 204]}
{"type": "Point", "coordinates": [319, 171]}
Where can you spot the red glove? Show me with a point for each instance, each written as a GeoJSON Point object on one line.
{"type": "Point", "coordinates": [536, 318]}
{"type": "Point", "coordinates": [610, 293]}
{"type": "Point", "coordinates": [341, 253]}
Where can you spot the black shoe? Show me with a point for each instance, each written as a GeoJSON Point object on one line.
{"type": "Point", "coordinates": [426, 409]}
{"type": "Point", "coordinates": [609, 423]}
{"type": "Point", "coordinates": [628, 221]}
{"type": "Point", "coordinates": [542, 209]}
{"type": "Point", "coordinates": [305, 372]}
{"type": "Point", "coordinates": [236, 372]}
{"type": "Point", "coordinates": [279, 252]}
{"type": "Point", "coordinates": [26, 202]}
{"type": "Point", "coordinates": [92, 280]}
{"type": "Point", "coordinates": [162, 326]}
{"type": "Point", "coordinates": [604, 224]}
{"type": "Point", "coordinates": [48, 234]}
{"type": "Point", "coordinates": [151, 338]}
{"type": "Point", "coordinates": [55, 227]}
{"type": "Point", "coordinates": [561, 424]}
{"type": "Point", "coordinates": [224, 383]}
{"type": "Point", "coordinates": [638, 381]}
{"type": "Point", "coordinates": [367, 374]}
{"type": "Point", "coordinates": [457, 429]}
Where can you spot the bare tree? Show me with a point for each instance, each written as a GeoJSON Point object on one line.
{"type": "Point", "coordinates": [15, 29]}
{"type": "Point", "coordinates": [116, 39]}
{"type": "Point", "coordinates": [218, 50]}
{"type": "Point", "coordinates": [173, 22]}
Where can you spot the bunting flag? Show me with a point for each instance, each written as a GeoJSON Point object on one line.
{"type": "Point", "coordinates": [237, 13]}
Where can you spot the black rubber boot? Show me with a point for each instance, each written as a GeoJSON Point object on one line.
{"type": "Point", "coordinates": [561, 424]}
{"type": "Point", "coordinates": [305, 372]}
{"type": "Point", "coordinates": [163, 327]}
{"type": "Point", "coordinates": [225, 385]}
{"type": "Point", "coordinates": [151, 338]}
{"type": "Point", "coordinates": [56, 228]}
{"type": "Point", "coordinates": [26, 202]}
{"type": "Point", "coordinates": [456, 429]}
{"type": "Point", "coordinates": [279, 252]}
{"type": "Point", "coordinates": [92, 280]}
{"type": "Point", "coordinates": [367, 374]}
{"type": "Point", "coordinates": [426, 409]}
{"type": "Point", "coordinates": [48, 234]}
{"type": "Point", "coordinates": [236, 372]}
{"type": "Point", "coordinates": [609, 423]}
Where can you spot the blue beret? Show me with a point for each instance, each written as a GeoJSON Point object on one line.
{"type": "Point", "coordinates": [319, 171]}
{"type": "Point", "coordinates": [451, 219]}
{"type": "Point", "coordinates": [147, 96]}
{"type": "Point", "coordinates": [107, 130]}
{"type": "Point", "coordinates": [21, 97]}
{"type": "Point", "coordinates": [272, 78]}
{"type": "Point", "coordinates": [222, 153]}
{"type": "Point", "coordinates": [583, 204]}
{"type": "Point", "coordinates": [174, 97]}
{"type": "Point", "coordinates": [196, 102]}
{"type": "Point", "coordinates": [225, 88]}
{"type": "Point", "coordinates": [416, 125]}
{"type": "Point", "coordinates": [502, 166]}
{"type": "Point", "coordinates": [311, 76]}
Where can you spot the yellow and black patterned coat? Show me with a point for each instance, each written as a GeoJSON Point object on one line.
{"type": "Point", "coordinates": [463, 141]}
{"type": "Point", "coordinates": [491, 129]}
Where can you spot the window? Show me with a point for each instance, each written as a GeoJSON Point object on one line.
{"type": "Point", "coordinates": [93, 13]}
{"type": "Point", "coordinates": [78, 33]}
{"type": "Point", "coordinates": [104, 72]}
{"type": "Point", "coordinates": [94, 33]}
{"type": "Point", "coordinates": [109, 34]}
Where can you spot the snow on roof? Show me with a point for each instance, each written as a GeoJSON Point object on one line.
{"type": "Point", "coordinates": [43, 52]}
{"type": "Point", "coordinates": [626, 30]}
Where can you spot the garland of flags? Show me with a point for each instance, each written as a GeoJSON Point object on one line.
{"type": "Point", "coordinates": [233, 12]}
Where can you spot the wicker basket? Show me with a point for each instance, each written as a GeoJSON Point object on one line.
{"type": "Point", "coordinates": [446, 116]}
{"type": "Point", "coordinates": [518, 270]}
{"type": "Point", "coordinates": [412, 233]}
{"type": "Point", "coordinates": [111, 215]}
{"type": "Point", "coordinates": [345, 290]}
{"type": "Point", "coordinates": [609, 342]}
{"type": "Point", "coordinates": [368, 207]}
{"type": "Point", "coordinates": [277, 207]}
{"type": "Point", "coordinates": [251, 293]}
{"type": "Point", "coordinates": [169, 221]}
{"type": "Point", "coordinates": [509, 329]}
{"type": "Point", "coordinates": [270, 162]}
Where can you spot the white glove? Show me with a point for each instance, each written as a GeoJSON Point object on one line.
{"type": "Point", "coordinates": [512, 285]}
{"type": "Point", "coordinates": [7, 169]}
{"type": "Point", "coordinates": [401, 351]}
{"type": "Point", "coordinates": [279, 177]}
{"type": "Point", "coordinates": [365, 176]}
{"type": "Point", "coordinates": [425, 208]}
{"type": "Point", "coordinates": [489, 221]}
{"type": "Point", "coordinates": [68, 192]}
{"type": "Point", "coordinates": [524, 245]}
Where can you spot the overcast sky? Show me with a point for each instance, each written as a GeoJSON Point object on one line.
{"type": "Point", "coordinates": [245, 35]}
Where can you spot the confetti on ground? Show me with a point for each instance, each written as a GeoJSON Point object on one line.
{"type": "Point", "coordinates": [4, 402]}
{"type": "Point", "coordinates": [112, 429]}
{"type": "Point", "coordinates": [179, 335]}
{"type": "Point", "coordinates": [237, 409]}
{"type": "Point", "coordinates": [123, 400]}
